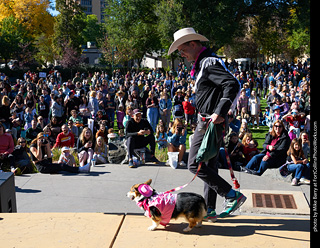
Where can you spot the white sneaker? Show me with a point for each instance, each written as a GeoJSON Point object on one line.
{"type": "Point", "coordinates": [294, 182]}
{"type": "Point", "coordinates": [304, 181]}
{"type": "Point", "coordinates": [85, 168]}
{"type": "Point", "coordinates": [182, 163]}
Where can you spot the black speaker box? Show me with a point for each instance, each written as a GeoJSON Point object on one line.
{"type": "Point", "coordinates": [7, 193]}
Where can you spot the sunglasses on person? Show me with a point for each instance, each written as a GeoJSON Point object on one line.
{"type": "Point", "coordinates": [45, 135]}
{"type": "Point", "coordinates": [277, 126]}
{"type": "Point", "coordinates": [21, 142]}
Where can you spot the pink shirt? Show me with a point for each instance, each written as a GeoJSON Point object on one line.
{"type": "Point", "coordinates": [6, 144]}
{"type": "Point", "coordinates": [165, 202]}
{"type": "Point", "coordinates": [273, 142]}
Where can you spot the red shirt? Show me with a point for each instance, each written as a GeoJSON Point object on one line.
{"type": "Point", "coordinates": [65, 140]}
{"type": "Point", "coordinates": [294, 122]}
{"type": "Point", "coordinates": [188, 108]}
{"type": "Point", "coordinates": [247, 150]}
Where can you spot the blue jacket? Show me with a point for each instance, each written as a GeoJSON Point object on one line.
{"type": "Point", "coordinates": [176, 139]}
{"type": "Point", "coordinates": [165, 105]}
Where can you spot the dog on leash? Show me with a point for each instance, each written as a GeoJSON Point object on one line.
{"type": "Point", "coordinates": [161, 207]}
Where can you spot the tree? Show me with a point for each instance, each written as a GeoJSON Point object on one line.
{"type": "Point", "coordinates": [32, 14]}
{"type": "Point", "coordinates": [219, 21]}
{"type": "Point", "coordinates": [71, 57]}
{"type": "Point", "coordinates": [68, 26]}
{"type": "Point", "coordinates": [93, 31]}
{"type": "Point", "coordinates": [298, 30]}
{"type": "Point", "coordinates": [43, 45]}
{"type": "Point", "coordinates": [14, 39]}
{"type": "Point", "coordinates": [131, 27]}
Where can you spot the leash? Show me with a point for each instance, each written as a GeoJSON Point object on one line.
{"type": "Point", "coordinates": [183, 186]}
{"type": "Point", "coordinates": [199, 167]}
{"type": "Point", "coordinates": [233, 177]}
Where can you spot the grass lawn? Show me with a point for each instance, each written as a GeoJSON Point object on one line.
{"type": "Point", "coordinates": [260, 134]}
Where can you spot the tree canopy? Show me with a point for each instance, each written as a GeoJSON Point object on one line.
{"type": "Point", "coordinates": [133, 28]}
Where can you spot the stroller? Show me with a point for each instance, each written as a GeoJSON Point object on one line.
{"type": "Point", "coordinates": [178, 111]}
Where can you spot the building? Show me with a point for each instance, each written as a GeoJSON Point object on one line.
{"type": "Point", "coordinates": [95, 7]}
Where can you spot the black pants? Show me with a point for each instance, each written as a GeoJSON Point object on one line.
{"type": "Point", "coordinates": [208, 173]}
{"type": "Point", "coordinates": [136, 143]}
{"type": "Point", "coordinates": [46, 166]}
{"type": "Point", "coordinates": [8, 159]}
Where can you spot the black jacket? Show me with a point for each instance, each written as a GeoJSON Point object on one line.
{"type": "Point", "coordinates": [132, 128]}
{"type": "Point", "coordinates": [216, 87]}
{"type": "Point", "coordinates": [281, 148]}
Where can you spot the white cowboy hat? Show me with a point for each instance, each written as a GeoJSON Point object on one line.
{"type": "Point", "coordinates": [184, 35]}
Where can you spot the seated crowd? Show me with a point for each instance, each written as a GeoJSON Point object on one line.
{"type": "Point", "coordinates": [78, 117]}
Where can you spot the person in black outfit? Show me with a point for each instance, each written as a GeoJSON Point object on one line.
{"type": "Point", "coordinates": [139, 134]}
{"type": "Point", "coordinates": [39, 148]}
{"type": "Point", "coordinates": [43, 110]}
{"type": "Point", "coordinates": [216, 91]}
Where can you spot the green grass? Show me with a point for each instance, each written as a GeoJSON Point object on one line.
{"type": "Point", "coordinates": [260, 134]}
{"type": "Point", "coordinates": [56, 152]}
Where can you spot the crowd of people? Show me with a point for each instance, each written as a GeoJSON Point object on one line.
{"type": "Point", "coordinates": [154, 108]}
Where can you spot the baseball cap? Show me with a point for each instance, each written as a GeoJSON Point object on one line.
{"type": "Point", "coordinates": [136, 111]}
{"type": "Point", "coordinates": [65, 148]}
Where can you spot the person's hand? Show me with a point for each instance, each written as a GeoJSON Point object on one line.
{"type": "Point", "coordinates": [265, 158]}
{"type": "Point", "coordinates": [39, 142]}
{"type": "Point", "coordinates": [147, 132]}
{"type": "Point", "coordinates": [141, 132]}
{"type": "Point", "coordinates": [271, 148]}
{"type": "Point", "coordinates": [305, 161]}
{"type": "Point", "coordinates": [87, 145]}
{"type": "Point", "coordinates": [183, 131]}
{"type": "Point", "coordinates": [216, 119]}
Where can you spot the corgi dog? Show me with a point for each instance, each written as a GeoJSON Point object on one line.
{"type": "Point", "coordinates": [161, 207]}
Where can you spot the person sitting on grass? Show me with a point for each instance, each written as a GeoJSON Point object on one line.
{"type": "Point", "coordinates": [103, 131]}
{"type": "Point", "coordinates": [67, 157]}
{"type": "Point", "coordinates": [85, 146]}
{"type": "Point", "coordinates": [21, 157]}
{"type": "Point", "coordinates": [32, 131]}
{"type": "Point", "coordinates": [6, 148]}
{"type": "Point", "coordinates": [139, 134]}
{"type": "Point", "coordinates": [101, 151]}
{"type": "Point", "coordinates": [77, 120]}
{"type": "Point", "coordinates": [161, 137]}
{"type": "Point", "coordinates": [42, 157]}
{"type": "Point", "coordinates": [177, 137]}
{"type": "Point", "coordinates": [65, 138]}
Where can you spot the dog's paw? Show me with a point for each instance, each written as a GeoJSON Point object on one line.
{"type": "Point", "coordinates": [152, 228]}
{"type": "Point", "coordinates": [187, 229]}
{"type": "Point", "coordinates": [199, 224]}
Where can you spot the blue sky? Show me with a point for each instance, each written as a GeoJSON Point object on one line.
{"type": "Point", "coordinates": [53, 12]}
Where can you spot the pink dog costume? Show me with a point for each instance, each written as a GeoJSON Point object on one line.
{"type": "Point", "coordinates": [165, 202]}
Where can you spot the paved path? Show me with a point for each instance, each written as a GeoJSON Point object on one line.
{"type": "Point", "coordinates": [104, 189]}
{"type": "Point", "coordinates": [92, 210]}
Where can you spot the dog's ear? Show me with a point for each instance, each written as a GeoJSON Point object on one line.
{"type": "Point", "coordinates": [148, 182]}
